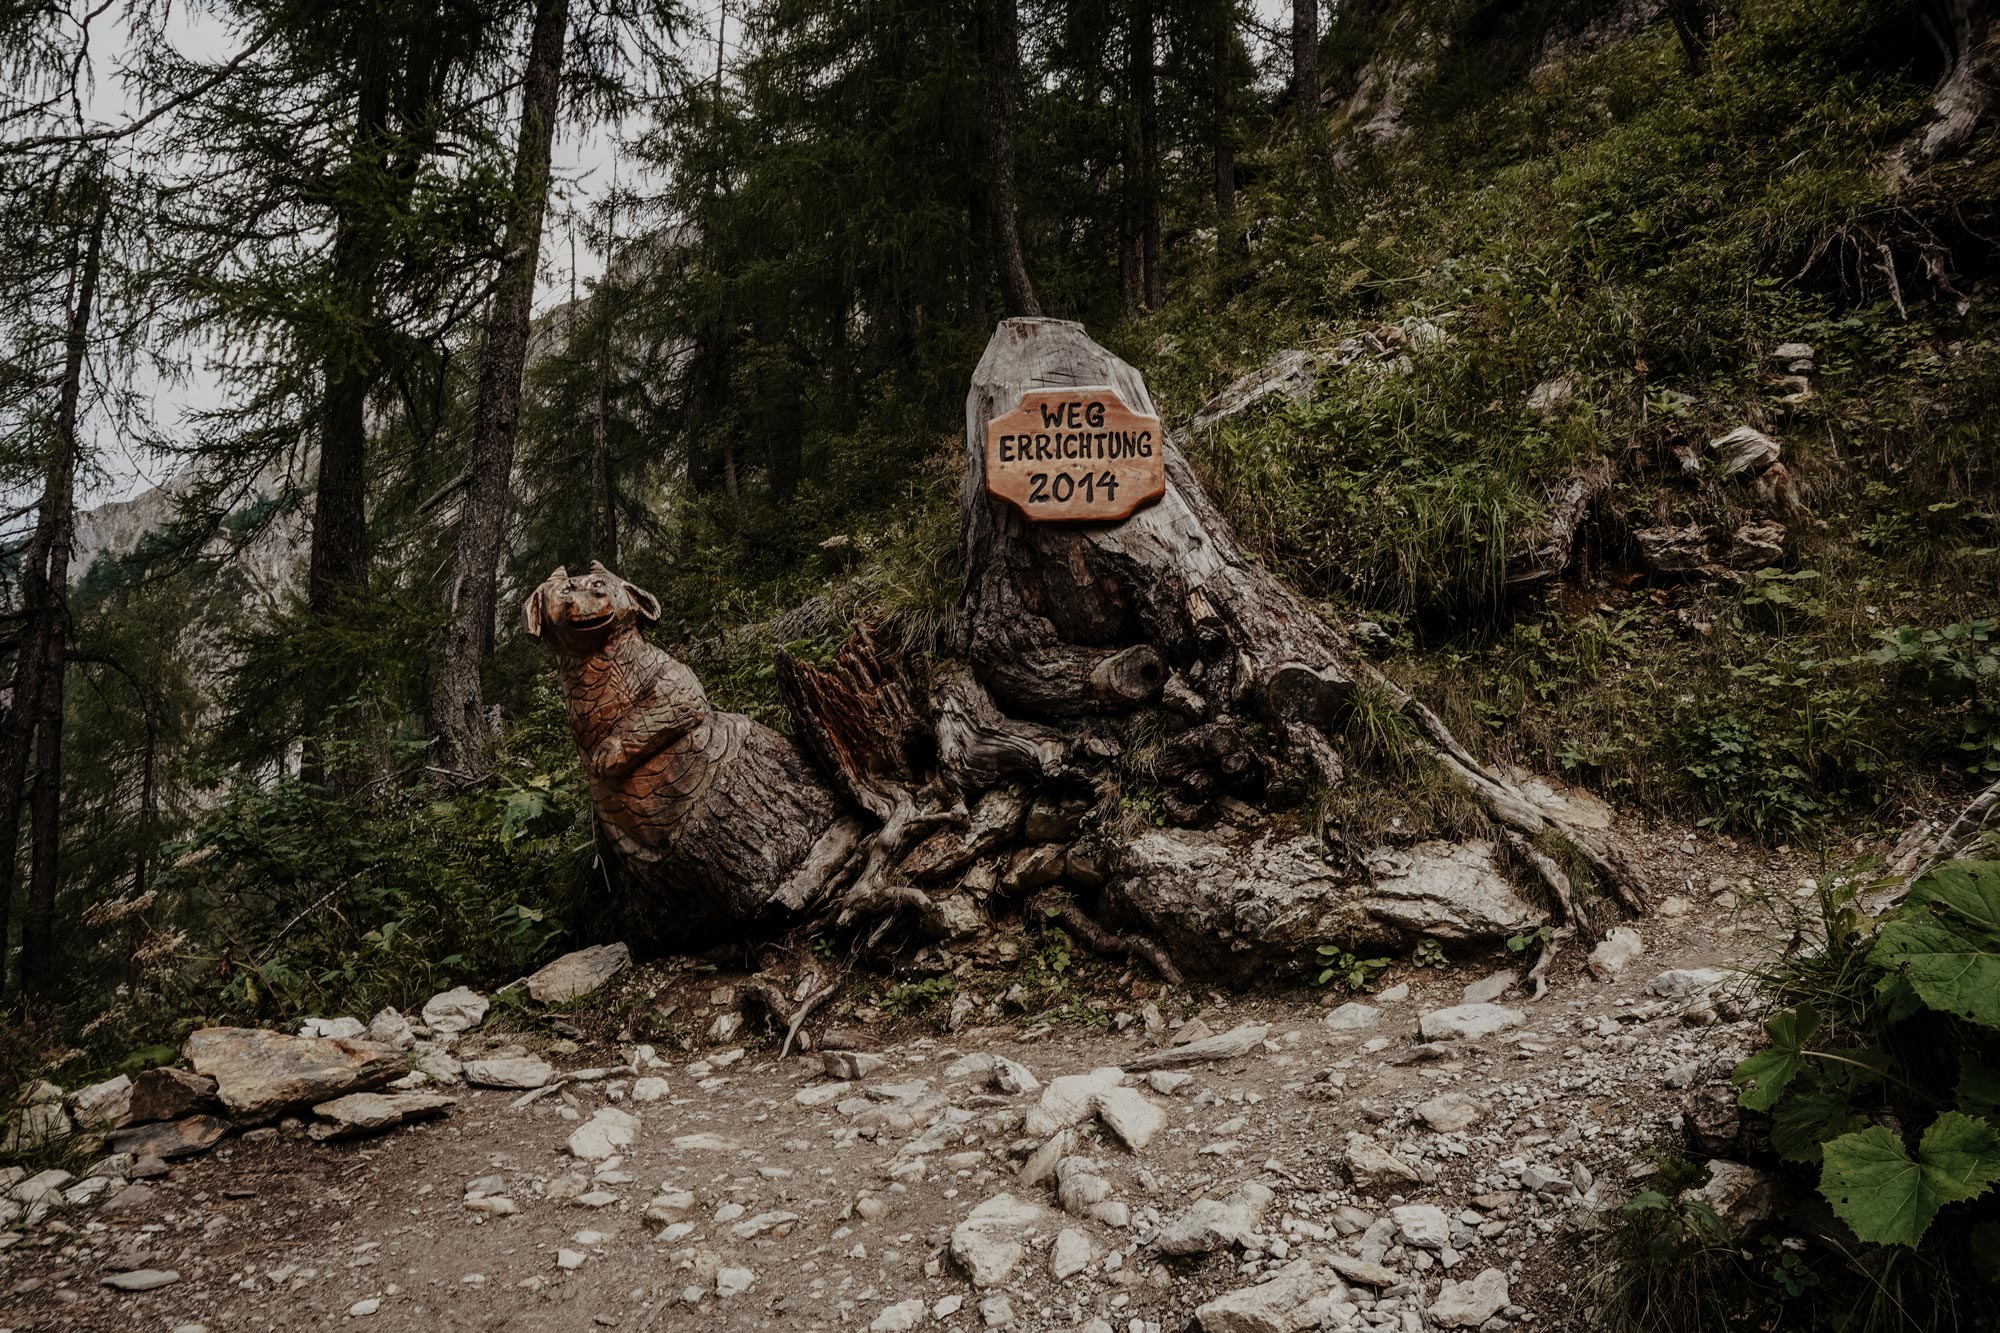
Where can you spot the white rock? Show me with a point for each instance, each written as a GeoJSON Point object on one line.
{"type": "Point", "coordinates": [142, 1279]}
{"type": "Point", "coordinates": [101, 1105]}
{"type": "Point", "coordinates": [1130, 1115]}
{"type": "Point", "coordinates": [1423, 1225]}
{"type": "Point", "coordinates": [1449, 890]}
{"type": "Point", "coordinates": [1167, 1082]}
{"type": "Point", "coordinates": [948, 1306]}
{"type": "Point", "coordinates": [607, 1133]}
{"type": "Point", "coordinates": [1069, 1100]}
{"type": "Point", "coordinates": [1488, 989]}
{"type": "Point", "coordinates": [579, 973]}
{"type": "Point", "coordinates": [521, 1072]}
{"type": "Point", "coordinates": [1617, 951]}
{"type": "Point", "coordinates": [725, 1028]}
{"type": "Point", "coordinates": [1745, 449]}
{"type": "Point", "coordinates": [991, 1241]}
{"type": "Point", "coordinates": [1741, 1196]}
{"type": "Point", "coordinates": [1012, 1078]}
{"type": "Point", "coordinates": [36, 1125]}
{"type": "Point", "coordinates": [1214, 1224]}
{"type": "Point", "coordinates": [1070, 1255]}
{"type": "Point", "coordinates": [899, 1318]}
{"type": "Point", "coordinates": [1369, 1161]}
{"type": "Point", "coordinates": [850, 1065]}
{"type": "Point", "coordinates": [1291, 1299]}
{"type": "Point", "coordinates": [733, 1281]}
{"type": "Point", "coordinates": [347, 1029]}
{"type": "Point", "coordinates": [1547, 396]}
{"type": "Point", "coordinates": [996, 1311]}
{"type": "Point", "coordinates": [1353, 1017]}
{"type": "Point", "coordinates": [391, 1029]}
{"type": "Point", "coordinates": [457, 1010]}
{"type": "Point", "coordinates": [1469, 1022]}
{"type": "Point", "coordinates": [1681, 981]}
{"type": "Point", "coordinates": [1470, 1304]}
{"type": "Point", "coordinates": [1449, 1112]}
{"type": "Point", "coordinates": [569, 1260]}
{"type": "Point", "coordinates": [649, 1089]}
{"type": "Point", "coordinates": [362, 1308]}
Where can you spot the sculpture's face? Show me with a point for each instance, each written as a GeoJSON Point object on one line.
{"type": "Point", "coordinates": [582, 613]}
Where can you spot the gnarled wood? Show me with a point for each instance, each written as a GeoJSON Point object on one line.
{"type": "Point", "coordinates": [1049, 604]}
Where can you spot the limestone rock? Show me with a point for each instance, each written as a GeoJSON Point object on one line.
{"type": "Point", "coordinates": [260, 1073]}
{"type": "Point", "coordinates": [1238, 1041]}
{"type": "Point", "coordinates": [900, 1317]}
{"type": "Point", "coordinates": [457, 1010]}
{"type": "Point", "coordinates": [1353, 1017]}
{"type": "Point", "coordinates": [36, 1125]}
{"type": "Point", "coordinates": [1742, 1196]}
{"type": "Point", "coordinates": [1744, 450]}
{"type": "Point", "coordinates": [1070, 1100]}
{"type": "Point", "coordinates": [345, 1028]}
{"type": "Point", "coordinates": [1682, 981]}
{"type": "Point", "coordinates": [524, 1071]}
{"type": "Point", "coordinates": [1130, 1115]}
{"type": "Point", "coordinates": [1490, 988]}
{"type": "Point", "coordinates": [1449, 1112]}
{"type": "Point", "coordinates": [1213, 1224]}
{"type": "Point", "coordinates": [1452, 891]}
{"type": "Point", "coordinates": [1070, 1255]}
{"type": "Point", "coordinates": [170, 1140]}
{"type": "Point", "coordinates": [579, 973]}
{"type": "Point", "coordinates": [169, 1094]}
{"type": "Point", "coordinates": [1614, 953]}
{"type": "Point", "coordinates": [1471, 1303]}
{"type": "Point", "coordinates": [1468, 1022]}
{"type": "Point", "coordinates": [102, 1105]}
{"type": "Point", "coordinates": [607, 1133]}
{"type": "Point", "coordinates": [1368, 1161]}
{"type": "Point", "coordinates": [141, 1279]}
{"type": "Point", "coordinates": [1423, 1225]}
{"type": "Point", "coordinates": [363, 1113]}
{"type": "Point", "coordinates": [990, 1243]}
{"type": "Point", "coordinates": [1296, 1297]}
{"type": "Point", "coordinates": [848, 1065]}
{"type": "Point", "coordinates": [390, 1028]}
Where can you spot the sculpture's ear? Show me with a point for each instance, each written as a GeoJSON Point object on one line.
{"type": "Point", "coordinates": [649, 605]}
{"type": "Point", "coordinates": [531, 610]}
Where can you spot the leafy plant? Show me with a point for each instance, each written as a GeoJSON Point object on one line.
{"type": "Point", "coordinates": [1357, 974]}
{"type": "Point", "coordinates": [1906, 1033]}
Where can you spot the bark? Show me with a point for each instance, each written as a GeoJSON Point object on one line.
{"type": "Point", "coordinates": [1305, 60]}
{"type": "Point", "coordinates": [1000, 58]}
{"type": "Point", "coordinates": [1222, 96]}
{"type": "Point", "coordinates": [1692, 20]}
{"type": "Point", "coordinates": [1967, 34]}
{"type": "Point", "coordinates": [458, 712]}
{"type": "Point", "coordinates": [1049, 604]}
{"type": "Point", "coordinates": [56, 532]}
{"type": "Point", "coordinates": [1145, 98]}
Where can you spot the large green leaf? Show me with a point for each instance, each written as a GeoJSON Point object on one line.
{"type": "Point", "coordinates": [1806, 1120]}
{"type": "Point", "coordinates": [1889, 1198]}
{"type": "Point", "coordinates": [1765, 1075]}
{"type": "Point", "coordinates": [1946, 940]}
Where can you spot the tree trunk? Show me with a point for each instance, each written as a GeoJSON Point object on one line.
{"type": "Point", "coordinates": [1097, 656]}
{"type": "Point", "coordinates": [1222, 94]}
{"type": "Point", "coordinates": [1144, 96]}
{"type": "Point", "coordinates": [458, 712]}
{"type": "Point", "coordinates": [55, 537]}
{"type": "Point", "coordinates": [1000, 61]}
{"type": "Point", "coordinates": [1305, 60]}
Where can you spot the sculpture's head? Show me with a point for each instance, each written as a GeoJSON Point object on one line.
{"type": "Point", "coordinates": [583, 613]}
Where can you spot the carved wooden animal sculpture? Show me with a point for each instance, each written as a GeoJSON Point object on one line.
{"type": "Point", "coordinates": [711, 818]}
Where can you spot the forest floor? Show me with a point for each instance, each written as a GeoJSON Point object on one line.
{"type": "Point", "coordinates": [839, 1211]}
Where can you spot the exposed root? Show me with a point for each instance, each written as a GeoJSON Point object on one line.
{"type": "Point", "coordinates": [780, 1009]}
{"type": "Point", "coordinates": [1538, 975]}
{"type": "Point", "coordinates": [1109, 943]}
{"type": "Point", "coordinates": [1920, 849]}
{"type": "Point", "coordinates": [1574, 911]}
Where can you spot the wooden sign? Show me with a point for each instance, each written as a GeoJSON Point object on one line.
{"type": "Point", "coordinates": [1067, 454]}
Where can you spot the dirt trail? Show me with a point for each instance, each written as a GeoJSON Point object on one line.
{"type": "Point", "coordinates": [842, 1212]}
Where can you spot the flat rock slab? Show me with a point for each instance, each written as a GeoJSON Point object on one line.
{"type": "Point", "coordinates": [578, 974]}
{"type": "Point", "coordinates": [605, 1134]}
{"type": "Point", "coordinates": [1214, 1224]}
{"type": "Point", "coordinates": [363, 1113]}
{"type": "Point", "coordinates": [457, 1010]}
{"type": "Point", "coordinates": [1452, 891]}
{"type": "Point", "coordinates": [1469, 1022]}
{"type": "Point", "coordinates": [259, 1073]}
{"type": "Point", "coordinates": [1238, 1041]}
{"type": "Point", "coordinates": [169, 1094]}
{"type": "Point", "coordinates": [1471, 1303]}
{"type": "Point", "coordinates": [520, 1072]}
{"type": "Point", "coordinates": [1294, 1298]}
{"type": "Point", "coordinates": [142, 1279]}
{"type": "Point", "coordinates": [991, 1242]}
{"type": "Point", "coordinates": [170, 1140]}
{"type": "Point", "coordinates": [1130, 1115]}
{"type": "Point", "coordinates": [102, 1105]}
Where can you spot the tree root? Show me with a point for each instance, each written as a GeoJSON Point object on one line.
{"type": "Point", "coordinates": [766, 995]}
{"type": "Point", "coordinates": [1109, 943]}
{"type": "Point", "coordinates": [1919, 849]}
